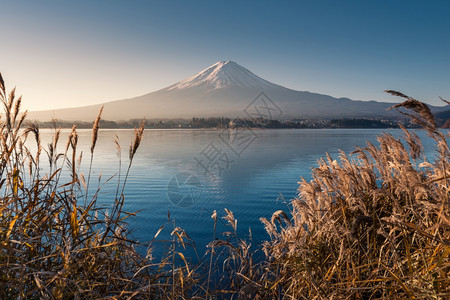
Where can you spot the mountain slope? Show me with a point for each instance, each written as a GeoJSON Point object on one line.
{"type": "Point", "coordinates": [223, 89]}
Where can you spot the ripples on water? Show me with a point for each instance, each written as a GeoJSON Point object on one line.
{"type": "Point", "coordinates": [256, 183]}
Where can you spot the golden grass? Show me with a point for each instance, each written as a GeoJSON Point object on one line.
{"type": "Point", "coordinates": [52, 246]}
{"type": "Point", "coordinates": [372, 225]}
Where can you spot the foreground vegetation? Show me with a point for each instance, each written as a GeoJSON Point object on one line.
{"type": "Point", "coordinates": [375, 224]}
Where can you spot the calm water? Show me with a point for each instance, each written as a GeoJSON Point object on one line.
{"type": "Point", "coordinates": [249, 173]}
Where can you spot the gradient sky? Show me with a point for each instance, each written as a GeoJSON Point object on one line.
{"type": "Point", "coordinates": [73, 53]}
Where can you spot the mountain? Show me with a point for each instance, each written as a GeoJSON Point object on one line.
{"type": "Point", "coordinates": [225, 89]}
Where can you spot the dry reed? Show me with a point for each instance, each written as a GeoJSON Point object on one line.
{"type": "Point", "coordinates": [373, 225]}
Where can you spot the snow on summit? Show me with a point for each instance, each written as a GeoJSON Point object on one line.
{"type": "Point", "coordinates": [223, 74]}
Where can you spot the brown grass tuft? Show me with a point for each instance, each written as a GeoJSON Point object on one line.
{"type": "Point", "coordinates": [95, 128]}
{"type": "Point", "coordinates": [138, 134]}
{"type": "Point", "coordinates": [375, 225]}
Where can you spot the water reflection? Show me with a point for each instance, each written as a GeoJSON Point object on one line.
{"type": "Point", "coordinates": [252, 185]}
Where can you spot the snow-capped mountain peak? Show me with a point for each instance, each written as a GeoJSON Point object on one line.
{"type": "Point", "coordinates": [225, 89]}
{"type": "Point", "coordinates": [223, 74]}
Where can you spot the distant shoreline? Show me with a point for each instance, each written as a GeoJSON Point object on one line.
{"type": "Point", "coordinates": [221, 123]}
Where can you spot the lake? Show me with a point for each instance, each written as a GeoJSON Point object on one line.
{"type": "Point", "coordinates": [191, 173]}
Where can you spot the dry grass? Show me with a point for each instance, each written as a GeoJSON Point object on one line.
{"type": "Point", "coordinates": [51, 245]}
{"type": "Point", "coordinates": [372, 225]}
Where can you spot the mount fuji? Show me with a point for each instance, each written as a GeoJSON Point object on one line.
{"type": "Point", "coordinates": [223, 89]}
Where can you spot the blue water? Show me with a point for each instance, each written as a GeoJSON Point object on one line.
{"type": "Point", "coordinates": [252, 173]}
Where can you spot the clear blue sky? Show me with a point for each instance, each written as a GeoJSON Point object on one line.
{"type": "Point", "coordinates": [72, 53]}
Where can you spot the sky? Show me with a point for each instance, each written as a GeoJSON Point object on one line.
{"type": "Point", "coordinates": [74, 53]}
